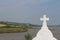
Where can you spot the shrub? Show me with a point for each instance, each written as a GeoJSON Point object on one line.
{"type": "Point", "coordinates": [28, 37]}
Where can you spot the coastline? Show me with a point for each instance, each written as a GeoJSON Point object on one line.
{"type": "Point", "coordinates": [33, 32]}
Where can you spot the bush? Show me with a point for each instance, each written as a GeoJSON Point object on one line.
{"type": "Point", "coordinates": [28, 37]}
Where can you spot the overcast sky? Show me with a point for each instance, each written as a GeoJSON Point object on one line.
{"type": "Point", "coordinates": [30, 11]}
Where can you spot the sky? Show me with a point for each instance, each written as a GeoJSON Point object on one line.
{"type": "Point", "coordinates": [30, 11]}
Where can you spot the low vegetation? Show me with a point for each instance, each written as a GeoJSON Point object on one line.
{"type": "Point", "coordinates": [8, 27]}
{"type": "Point", "coordinates": [12, 30]}
{"type": "Point", "coordinates": [28, 37]}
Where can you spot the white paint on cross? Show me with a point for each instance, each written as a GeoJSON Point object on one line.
{"type": "Point", "coordinates": [44, 19]}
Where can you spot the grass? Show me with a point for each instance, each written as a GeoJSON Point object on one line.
{"type": "Point", "coordinates": [28, 37]}
{"type": "Point", "coordinates": [1, 25]}
{"type": "Point", "coordinates": [11, 27]}
{"type": "Point", "coordinates": [12, 30]}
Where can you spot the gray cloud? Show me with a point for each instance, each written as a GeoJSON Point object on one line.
{"type": "Point", "coordinates": [39, 1]}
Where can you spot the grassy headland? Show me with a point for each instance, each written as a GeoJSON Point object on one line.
{"type": "Point", "coordinates": [12, 27]}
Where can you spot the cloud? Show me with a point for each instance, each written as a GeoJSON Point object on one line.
{"type": "Point", "coordinates": [21, 3]}
{"type": "Point", "coordinates": [39, 1]}
{"type": "Point", "coordinates": [13, 4]}
{"type": "Point", "coordinates": [29, 3]}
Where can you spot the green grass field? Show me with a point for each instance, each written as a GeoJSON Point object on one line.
{"type": "Point", "coordinates": [12, 30]}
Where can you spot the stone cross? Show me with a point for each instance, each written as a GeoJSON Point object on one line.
{"type": "Point", "coordinates": [44, 33]}
{"type": "Point", "coordinates": [44, 19]}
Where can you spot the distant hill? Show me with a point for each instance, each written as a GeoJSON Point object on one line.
{"type": "Point", "coordinates": [2, 23]}
{"type": "Point", "coordinates": [15, 24]}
